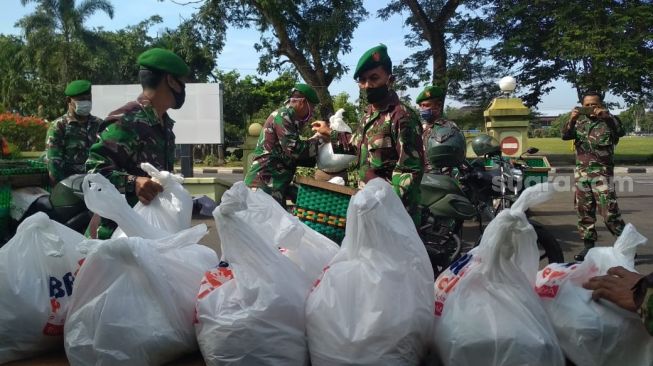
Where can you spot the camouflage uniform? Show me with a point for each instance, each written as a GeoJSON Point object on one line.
{"type": "Point", "coordinates": [389, 145]}
{"type": "Point", "coordinates": [427, 129]}
{"type": "Point", "coordinates": [643, 292]}
{"type": "Point", "coordinates": [128, 137]}
{"type": "Point", "coordinates": [278, 153]}
{"type": "Point", "coordinates": [68, 142]}
{"type": "Point", "coordinates": [595, 140]}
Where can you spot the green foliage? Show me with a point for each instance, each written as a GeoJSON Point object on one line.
{"type": "Point", "coordinates": [26, 133]}
{"type": "Point", "coordinates": [310, 34]}
{"type": "Point", "coordinates": [435, 26]}
{"type": "Point", "coordinates": [56, 48]}
{"type": "Point", "coordinates": [250, 99]}
{"type": "Point", "coordinates": [635, 116]}
{"type": "Point", "coordinates": [211, 160]}
{"type": "Point", "coordinates": [466, 118]}
{"type": "Point", "coordinates": [351, 114]}
{"type": "Point", "coordinates": [594, 45]}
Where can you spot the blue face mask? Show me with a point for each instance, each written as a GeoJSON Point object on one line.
{"type": "Point", "coordinates": [426, 114]}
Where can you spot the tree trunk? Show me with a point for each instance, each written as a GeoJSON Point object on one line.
{"type": "Point", "coordinates": [326, 103]}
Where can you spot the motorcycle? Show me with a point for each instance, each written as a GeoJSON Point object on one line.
{"type": "Point", "coordinates": [471, 191]}
{"type": "Point", "coordinates": [65, 204]}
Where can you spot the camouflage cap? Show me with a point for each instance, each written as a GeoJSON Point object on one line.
{"type": "Point", "coordinates": [375, 56]}
{"type": "Point", "coordinates": [430, 92]}
{"type": "Point", "coordinates": [308, 92]}
{"type": "Point", "coordinates": [163, 60]}
{"type": "Point", "coordinates": [77, 87]}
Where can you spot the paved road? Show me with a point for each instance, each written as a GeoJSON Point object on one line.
{"type": "Point", "coordinates": [635, 200]}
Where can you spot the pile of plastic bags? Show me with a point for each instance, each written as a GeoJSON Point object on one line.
{"type": "Point", "coordinates": [283, 294]}
{"type": "Point", "coordinates": [36, 285]}
{"type": "Point", "coordinates": [590, 332]}
{"type": "Point", "coordinates": [254, 312]}
{"type": "Point", "coordinates": [374, 302]}
{"type": "Point", "coordinates": [135, 296]}
{"type": "Point", "coordinates": [486, 310]}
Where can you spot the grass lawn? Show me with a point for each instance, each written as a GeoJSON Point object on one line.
{"type": "Point", "coordinates": [630, 148]}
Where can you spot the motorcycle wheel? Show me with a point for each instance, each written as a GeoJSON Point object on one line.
{"type": "Point", "coordinates": [550, 249]}
{"type": "Point", "coordinates": [443, 249]}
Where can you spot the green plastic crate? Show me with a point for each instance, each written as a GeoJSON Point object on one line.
{"type": "Point", "coordinates": [15, 174]}
{"type": "Point", "coordinates": [22, 167]}
{"type": "Point", "coordinates": [323, 207]}
{"type": "Point", "coordinates": [538, 171]}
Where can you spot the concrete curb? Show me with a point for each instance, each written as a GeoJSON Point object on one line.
{"type": "Point", "coordinates": [222, 170]}
{"type": "Point", "coordinates": [554, 170]}
{"type": "Point", "coordinates": [617, 170]}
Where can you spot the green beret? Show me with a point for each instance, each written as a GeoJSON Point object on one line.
{"type": "Point", "coordinates": [308, 92]}
{"type": "Point", "coordinates": [375, 56]}
{"type": "Point", "coordinates": [78, 87]}
{"type": "Point", "coordinates": [430, 92]}
{"type": "Point", "coordinates": [163, 60]}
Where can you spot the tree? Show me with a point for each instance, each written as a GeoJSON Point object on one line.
{"type": "Point", "coordinates": [351, 115]}
{"type": "Point", "coordinates": [250, 98]}
{"type": "Point", "coordinates": [115, 62]}
{"type": "Point", "coordinates": [594, 45]}
{"type": "Point", "coordinates": [467, 118]}
{"type": "Point", "coordinates": [438, 24]}
{"type": "Point", "coordinates": [309, 34]}
{"type": "Point", "coordinates": [55, 26]}
{"type": "Point", "coordinates": [12, 79]}
{"type": "Point", "coordinates": [197, 46]}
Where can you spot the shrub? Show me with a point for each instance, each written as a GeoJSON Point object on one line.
{"type": "Point", "coordinates": [211, 160]}
{"type": "Point", "coordinates": [26, 133]}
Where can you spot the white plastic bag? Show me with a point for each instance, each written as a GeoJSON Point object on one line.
{"type": "Point", "coordinates": [36, 282]}
{"type": "Point", "coordinates": [134, 300]}
{"type": "Point", "coordinates": [486, 310]}
{"type": "Point", "coordinates": [256, 318]}
{"type": "Point", "coordinates": [171, 210]}
{"type": "Point", "coordinates": [590, 332]}
{"type": "Point", "coordinates": [374, 302]}
{"type": "Point", "coordinates": [102, 198]}
{"type": "Point", "coordinates": [305, 247]}
{"type": "Point", "coordinates": [326, 159]}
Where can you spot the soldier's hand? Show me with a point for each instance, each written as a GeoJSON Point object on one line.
{"type": "Point", "coordinates": [574, 115]}
{"type": "Point", "coordinates": [616, 287]}
{"type": "Point", "coordinates": [322, 127]}
{"type": "Point", "coordinates": [601, 113]}
{"type": "Point", "coordinates": [146, 189]}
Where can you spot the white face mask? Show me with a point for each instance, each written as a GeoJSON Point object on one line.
{"type": "Point", "coordinates": [83, 107]}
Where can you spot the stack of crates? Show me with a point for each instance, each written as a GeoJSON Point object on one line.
{"type": "Point", "coordinates": [323, 208]}
{"type": "Point", "coordinates": [15, 174]}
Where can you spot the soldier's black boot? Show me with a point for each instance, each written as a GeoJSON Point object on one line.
{"type": "Point", "coordinates": [588, 244]}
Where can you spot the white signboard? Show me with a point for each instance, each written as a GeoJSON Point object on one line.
{"type": "Point", "coordinates": [199, 121]}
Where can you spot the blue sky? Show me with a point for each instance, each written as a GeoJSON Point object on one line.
{"type": "Point", "coordinates": [239, 53]}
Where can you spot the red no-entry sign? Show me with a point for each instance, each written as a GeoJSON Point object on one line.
{"type": "Point", "coordinates": [510, 145]}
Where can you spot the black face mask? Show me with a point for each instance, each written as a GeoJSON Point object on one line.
{"type": "Point", "coordinates": [375, 95]}
{"type": "Point", "coordinates": [180, 97]}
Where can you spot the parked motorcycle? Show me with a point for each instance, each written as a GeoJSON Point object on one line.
{"type": "Point", "coordinates": [467, 190]}
{"type": "Point", "coordinates": [65, 204]}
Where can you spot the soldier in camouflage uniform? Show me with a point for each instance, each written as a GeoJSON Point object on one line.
{"type": "Point", "coordinates": [70, 137]}
{"type": "Point", "coordinates": [595, 136]}
{"type": "Point", "coordinates": [388, 140]}
{"type": "Point", "coordinates": [280, 149]}
{"type": "Point", "coordinates": [430, 109]}
{"type": "Point", "coordinates": [139, 132]}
